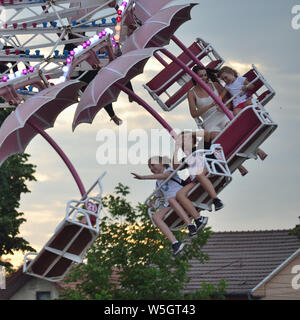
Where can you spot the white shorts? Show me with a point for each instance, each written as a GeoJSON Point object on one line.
{"type": "Point", "coordinates": [216, 123]}
{"type": "Point", "coordinates": [196, 165]}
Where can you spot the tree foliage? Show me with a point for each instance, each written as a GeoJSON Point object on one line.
{"type": "Point", "coordinates": [15, 172]}
{"type": "Point", "coordinates": [130, 247]}
{"type": "Point", "coordinates": [296, 231]}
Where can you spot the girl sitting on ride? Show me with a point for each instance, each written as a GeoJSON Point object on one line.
{"type": "Point", "coordinates": [187, 141]}
{"type": "Point", "coordinates": [238, 87]}
{"type": "Point", "coordinates": [202, 105]}
{"type": "Point", "coordinates": [160, 167]}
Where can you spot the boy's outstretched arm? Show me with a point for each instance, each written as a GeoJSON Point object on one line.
{"type": "Point", "coordinates": [156, 176]}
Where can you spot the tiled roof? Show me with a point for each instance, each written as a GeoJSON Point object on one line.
{"type": "Point", "coordinates": [15, 282]}
{"type": "Point", "coordinates": [243, 259]}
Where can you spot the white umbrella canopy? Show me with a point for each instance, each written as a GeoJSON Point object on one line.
{"type": "Point", "coordinates": [42, 110]}
{"type": "Point", "coordinates": [159, 29]}
{"type": "Point", "coordinates": [101, 91]}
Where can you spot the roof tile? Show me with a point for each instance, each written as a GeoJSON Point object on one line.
{"type": "Point", "coordinates": [242, 258]}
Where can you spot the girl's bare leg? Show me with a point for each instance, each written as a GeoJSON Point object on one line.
{"type": "Point", "coordinates": [175, 205]}
{"type": "Point", "coordinates": [206, 184]}
{"type": "Point", "coordinates": [181, 197]}
{"type": "Point", "coordinates": [158, 220]}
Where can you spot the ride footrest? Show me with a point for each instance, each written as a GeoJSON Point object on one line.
{"type": "Point", "coordinates": [70, 241]}
{"type": "Point", "coordinates": [67, 246]}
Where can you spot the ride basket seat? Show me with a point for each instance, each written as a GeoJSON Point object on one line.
{"type": "Point", "coordinates": [172, 74]}
{"type": "Point", "coordinates": [218, 173]}
{"type": "Point", "coordinates": [239, 140]}
{"type": "Point", "coordinates": [242, 137]}
{"type": "Point", "coordinates": [70, 241]}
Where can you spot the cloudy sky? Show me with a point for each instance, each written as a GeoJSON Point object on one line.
{"type": "Point", "coordinates": [243, 32]}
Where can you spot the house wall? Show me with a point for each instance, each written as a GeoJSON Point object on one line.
{"type": "Point", "coordinates": [29, 290]}
{"type": "Point", "coordinates": [285, 285]}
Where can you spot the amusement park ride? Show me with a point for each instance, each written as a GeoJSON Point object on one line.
{"type": "Point", "coordinates": [116, 38]}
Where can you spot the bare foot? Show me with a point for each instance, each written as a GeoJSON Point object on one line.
{"type": "Point", "coordinates": [116, 120]}
{"type": "Point", "coordinates": [262, 155]}
{"type": "Point", "coordinates": [243, 170]}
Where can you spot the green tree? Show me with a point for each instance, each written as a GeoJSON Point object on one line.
{"type": "Point", "coordinates": [14, 173]}
{"type": "Point", "coordinates": [296, 231]}
{"type": "Point", "coordinates": [139, 254]}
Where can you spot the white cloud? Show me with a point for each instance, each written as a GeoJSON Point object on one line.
{"type": "Point", "coordinates": [241, 68]}
{"type": "Point", "coordinates": [42, 177]}
{"type": "Point", "coordinates": [153, 66]}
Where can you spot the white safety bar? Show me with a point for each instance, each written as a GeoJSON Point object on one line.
{"type": "Point", "coordinates": [76, 209]}
{"type": "Point", "coordinates": [267, 85]}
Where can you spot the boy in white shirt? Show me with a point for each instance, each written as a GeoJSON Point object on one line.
{"type": "Point", "coordinates": [160, 167]}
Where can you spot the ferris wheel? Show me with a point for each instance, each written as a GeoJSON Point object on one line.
{"type": "Point", "coordinates": [36, 37]}
{"type": "Point", "coordinates": [47, 51]}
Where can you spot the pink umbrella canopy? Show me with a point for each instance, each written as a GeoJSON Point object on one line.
{"type": "Point", "coordinates": [145, 9]}
{"type": "Point", "coordinates": [158, 30]}
{"type": "Point", "coordinates": [42, 110]}
{"type": "Point", "coordinates": [101, 91]}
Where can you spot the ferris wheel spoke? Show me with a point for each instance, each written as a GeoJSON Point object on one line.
{"type": "Point", "coordinates": [49, 13]}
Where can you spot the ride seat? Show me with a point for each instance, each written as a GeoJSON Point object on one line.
{"type": "Point", "coordinates": [239, 140]}
{"type": "Point", "coordinates": [70, 241]}
{"type": "Point", "coordinates": [172, 74]}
